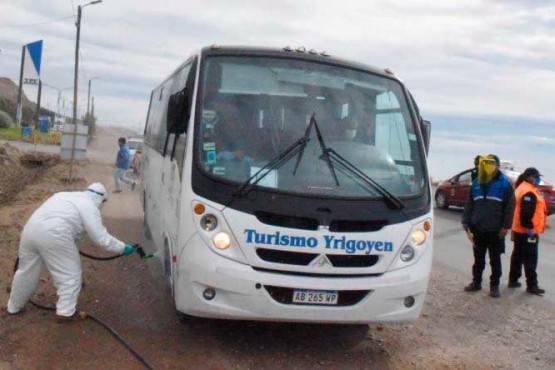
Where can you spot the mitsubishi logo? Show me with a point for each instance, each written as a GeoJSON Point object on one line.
{"type": "Point", "coordinates": [321, 261]}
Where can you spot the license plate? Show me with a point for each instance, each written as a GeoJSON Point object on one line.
{"type": "Point", "coordinates": [327, 297]}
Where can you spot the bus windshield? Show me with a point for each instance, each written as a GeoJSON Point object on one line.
{"type": "Point", "coordinates": [254, 108]}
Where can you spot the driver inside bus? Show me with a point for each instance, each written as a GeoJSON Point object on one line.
{"type": "Point", "coordinates": [349, 128]}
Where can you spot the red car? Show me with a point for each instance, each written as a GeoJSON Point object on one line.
{"type": "Point", "coordinates": [454, 191]}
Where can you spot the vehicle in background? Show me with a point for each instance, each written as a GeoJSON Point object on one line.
{"type": "Point", "coordinates": [135, 148]}
{"type": "Point", "coordinates": [135, 143]}
{"type": "Point", "coordinates": [455, 190]}
{"type": "Point", "coordinates": [58, 126]}
{"type": "Point", "coordinates": [136, 162]}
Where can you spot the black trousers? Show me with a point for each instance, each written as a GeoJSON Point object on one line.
{"type": "Point", "coordinates": [525, 253]}
{"type": "Point", "coordinates": [493, 245]}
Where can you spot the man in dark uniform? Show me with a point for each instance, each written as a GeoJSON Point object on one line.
{"type": "Point", "coordinates": [529, 221]}
{"type": "Point", "coordinates": [487, 217]}
{"type": "Point", "coordinates": [474, 172]}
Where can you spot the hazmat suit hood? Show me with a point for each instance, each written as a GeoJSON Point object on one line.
{"type": "Point", "coordinates": [98, 194]}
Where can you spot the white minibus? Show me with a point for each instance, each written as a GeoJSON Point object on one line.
{"type": "Point", "coordinates": [288, 185]}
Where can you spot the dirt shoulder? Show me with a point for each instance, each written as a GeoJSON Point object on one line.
{"type": "Point", "coordinates": [456, 330]}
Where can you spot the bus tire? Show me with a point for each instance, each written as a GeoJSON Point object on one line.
{"type": "Point", "coordinates": [168, 278]}
{"type": "Point", "coordinates": [185, 319]}
{"type": "Point", "coordinates": [146, 229]}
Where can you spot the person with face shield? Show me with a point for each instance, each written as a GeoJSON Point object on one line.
{"type": "Point", "coordinates": [487, 217]}
{"type": "Point", "coordinates": [49, 239]}
{"type": "Point", "coordinates": [529, 221]}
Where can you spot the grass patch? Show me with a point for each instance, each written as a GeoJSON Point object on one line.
{"type": "Point", "coordinates": [37, 137]}
{"type": "Point", "coordinates": [12, 133]}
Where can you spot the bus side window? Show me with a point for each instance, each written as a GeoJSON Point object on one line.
{"type": "Point", "coordinates": [391, 132]}
{"type": "Point", "coordinates": [154, 126]}
{"type": "Point", "coordinates": [186, 81]}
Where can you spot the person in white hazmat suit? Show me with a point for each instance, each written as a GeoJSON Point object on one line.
{"type": "Point", "coordinates": [48, 239]}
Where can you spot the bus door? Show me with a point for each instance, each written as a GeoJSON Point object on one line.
{"type": "Point", "coordinates": [171, 180]}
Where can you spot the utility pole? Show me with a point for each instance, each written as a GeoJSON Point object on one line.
{"type": "Point", "coordinates": [89, 98]}
{"type": "Point", "coordinates": [37, 113]}
{"type": "Point", "coordinates": [58, 106]}
{"type": "Point", "coordinates": [76, 83]}
{"type": "Point", "coordinates": [19, 108]}
{"type": "Point", "coordinates": [89, 95]}
{"type": "Point", "coordinates": [76, 75]}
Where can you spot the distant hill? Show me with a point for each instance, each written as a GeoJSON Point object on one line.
{"type": "Point", "coordinates": [8, 101]}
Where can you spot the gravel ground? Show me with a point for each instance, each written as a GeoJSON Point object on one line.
{"type": "Point", "coordinates": [456, 330]}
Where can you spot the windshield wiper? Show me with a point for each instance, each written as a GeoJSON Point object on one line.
{"type": "Point", "coordinates": [322, 146]}
{"type": "Point", "coordinates": [285, 156]}
{"type": "Point", "coordinates": [328, 155]}
{"type": "Point", "coordinates": [390, 198]}
{"type": "Point", "coordinates": [273, 164]}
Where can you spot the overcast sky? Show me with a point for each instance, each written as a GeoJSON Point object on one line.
{"type": "Point", "coordinates": [457, 57]}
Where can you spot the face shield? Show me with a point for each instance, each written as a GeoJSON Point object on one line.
{"type": "Point", "coordinates": [487, 169]}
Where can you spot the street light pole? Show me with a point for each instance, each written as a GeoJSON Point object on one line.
{"type": "Point", "coordinates": [59, 100]}
{"type": "Point", "coordinates": [89, 95]}
{"type": "Point", "coordinates": [76, 81]}
{"type": "Point", "coordinates": [76, 71]}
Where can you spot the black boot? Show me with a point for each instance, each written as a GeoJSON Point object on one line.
{"type": "Point", "coordinates": [472, 287]}
{"type": "Point", "coordinates": [494, 292]}
{"type": "Point", "coordinates": [514, 284]}
{"type": "Point", "coordinates": [535, 290]}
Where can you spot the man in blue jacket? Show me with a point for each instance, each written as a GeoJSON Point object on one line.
{"type": "Point", "coordinates": [123, 161]}
{"type": "Point", "coordinates": [487, 216]}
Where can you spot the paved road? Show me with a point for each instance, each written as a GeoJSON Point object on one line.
{"type": "Point", "coordinates": [453, 249]}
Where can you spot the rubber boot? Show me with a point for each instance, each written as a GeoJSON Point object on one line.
{"type": "Point", "coordinates": [494, 292]}
{"type": "Point", "coordinates": [535, 290]}
{"type": "Point", "coordinates": [472, 287]}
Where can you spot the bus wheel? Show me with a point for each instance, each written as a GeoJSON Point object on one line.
{"type": "Point", "coordinates": [186, 319]}
{"type": "Point", "coordinates": [146, 229]}
{"type": "Point", "coordinates": [168, 267]}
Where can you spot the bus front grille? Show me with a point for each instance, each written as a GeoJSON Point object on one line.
{"type": "Point", "coordinates": [284, 257]}
{"type": "Point", "coordinates": [304, 259]}
{"type": "Point", "coordinates": [338, 260]}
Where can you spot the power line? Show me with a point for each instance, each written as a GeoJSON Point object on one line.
{"type": "Point", "coordinates": [34, 24]}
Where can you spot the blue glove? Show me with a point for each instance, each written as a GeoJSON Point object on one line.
{"type": "Point", "coordinates": [128, 249]}
{"type": "Point", "coordinates": [531, 232]}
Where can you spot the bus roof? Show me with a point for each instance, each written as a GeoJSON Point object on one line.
{"type": "Point", "coordinates": [286, 52]}
{"type": "Point", "coordinates": [299, 53]}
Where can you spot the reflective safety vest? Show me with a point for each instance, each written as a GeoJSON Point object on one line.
{"type": "Point", "coordinates": [540, 214]}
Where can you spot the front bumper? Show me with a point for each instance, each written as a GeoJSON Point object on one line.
{"type": "Point", "coordinates": [244, 293]}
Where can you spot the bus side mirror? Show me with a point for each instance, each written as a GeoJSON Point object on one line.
{"type": "Point", "coordinates": [178, 112]}
{"type": "Point", "coordinates": [426, 127]}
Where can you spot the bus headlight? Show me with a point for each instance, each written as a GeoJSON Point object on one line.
{"type": "Point", "coordinates": [407, 253]}
{"type": "Point", "coordinates": [222, 240]}
{"type": "Point", "coordinates": [208, 222]}
{"type": "Point", "coordinates": [418, 237]}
